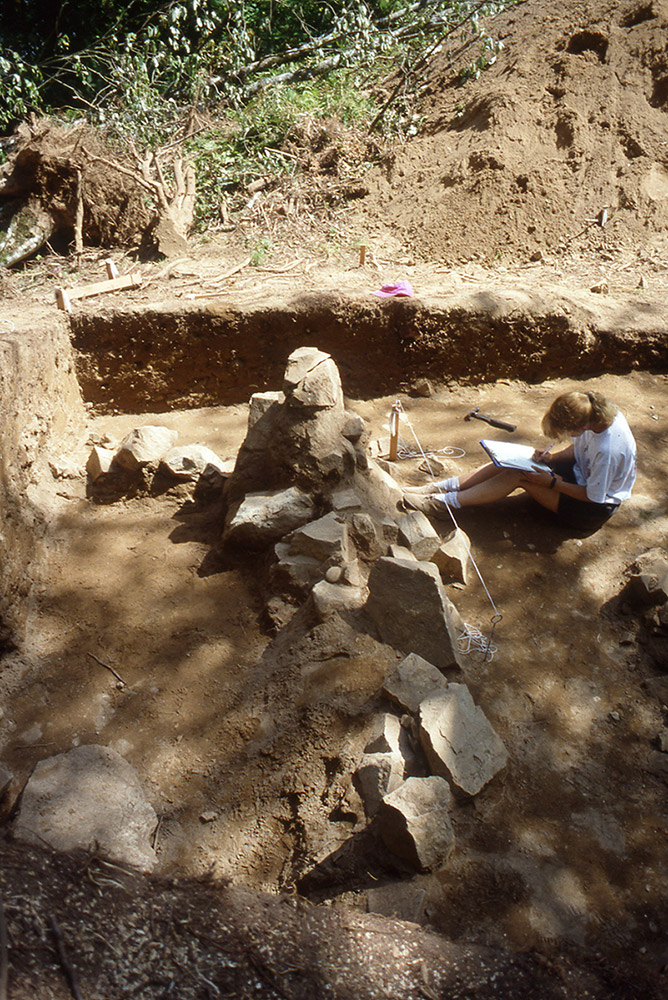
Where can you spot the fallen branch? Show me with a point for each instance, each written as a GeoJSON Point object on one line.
{"type": "Point", "coordinates": [70, 974]}
{"type": "Point", "coordinates": [107, 667]}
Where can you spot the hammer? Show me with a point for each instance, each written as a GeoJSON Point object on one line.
{"type": "Point", "coordinates": [490, 420]}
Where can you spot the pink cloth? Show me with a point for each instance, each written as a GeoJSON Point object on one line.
{"type": "Point", "coordinates": [399, 288]}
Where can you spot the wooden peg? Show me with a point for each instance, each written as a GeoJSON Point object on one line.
{"type": "Point", "coordinates": [394, 433]}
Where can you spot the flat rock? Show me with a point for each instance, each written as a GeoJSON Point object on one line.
{"type": "Point", "coordinates": [414, 822]}
{"type": "Point", "coordinates": [193, 460]}
{"type": "Point", "coordinates": [145, 444]}
{"type": "Point", "coordinates": [459, 741]}
{"type": "Point", "coordinates": [263, 518]}
{"type": "Point", "coordinates": [324, 539]}
{"type": "Point", "coordinates": [412, 612]}
{"type": "Point", "coordinates": [412, 681]}
{"type": "Point", "coordinates": [88, 799]}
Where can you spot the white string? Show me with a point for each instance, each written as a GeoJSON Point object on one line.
{"type": "Point", "coordinates": [449, 450]}
{"type": "Point", "coordinates": [471, 638]}
{"type": "Point", "coordinates": [496, 617]}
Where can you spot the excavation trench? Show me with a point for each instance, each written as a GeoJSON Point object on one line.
{"type": "Point", "coordinates": [263, 748]}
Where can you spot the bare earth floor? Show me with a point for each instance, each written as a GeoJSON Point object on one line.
{"type": "Point", "coordinates": [568, 844]}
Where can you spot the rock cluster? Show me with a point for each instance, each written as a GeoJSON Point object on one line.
{"type": "Point", "coordinates": [307, 495]}
{"type": "Point", "coordinates": [154, 446]}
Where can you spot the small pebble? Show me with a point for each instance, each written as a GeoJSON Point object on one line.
{"type": "Point", "coordinates": [333, 574]}
{"type": "Point", "coordinates": [615, 716]}
{"type": "Point", "coordinates": [209, 816]}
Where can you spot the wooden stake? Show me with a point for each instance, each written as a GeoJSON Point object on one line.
{"type": "Point", "coordinates": [394, 433]}
{"type": "Point", "coordinates": [65, 295]}
{"type": "Point", "coordinates": [362, 255]}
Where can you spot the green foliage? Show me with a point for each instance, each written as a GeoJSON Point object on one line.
{"type": "Point", "coordinates": [136, 68]}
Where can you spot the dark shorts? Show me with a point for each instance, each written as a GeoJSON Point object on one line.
{"type": "Point", "coordinates": [580, 513]}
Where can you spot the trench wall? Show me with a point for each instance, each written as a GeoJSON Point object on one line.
{"type": "Point", "coordinates": [219, 354]}
{"type": "Point", "coordinates": [41, 413]}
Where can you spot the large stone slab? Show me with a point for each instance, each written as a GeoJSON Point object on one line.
{"type": "Point", "coordinates": [414, 822]}
{"type": "Point", "coordinates": [412, 681]}
{"type": "Point", "coordinates": [412, 612]}
{"type": "Point", "coordinates": [459, 741]}
{"type": "Point", "coordinates": [145, 444]}
{"type": "Point", "coordinates": [264, 518]}
{"type": "Point", "coordinates": [89, 798]}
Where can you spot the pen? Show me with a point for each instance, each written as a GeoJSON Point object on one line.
{"type": "Point", "coordinates": [545, 450]}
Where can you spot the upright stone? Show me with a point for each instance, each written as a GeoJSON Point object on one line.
{"type": "Point", "coordinates": [414, 822]}
{"type": "Point", "coordinates": [453, 557]}
{"type": "Point", "coordinates": [412, 612]}
{"type": "Point", "coordinates": [417, 533]}
{"type": "Point", "coordinates": [458, 739]}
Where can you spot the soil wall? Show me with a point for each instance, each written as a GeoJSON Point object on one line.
{"type": "Point", "coordinates": [41, 410]}
{"type": "Point", "coordinates": [192, 356]}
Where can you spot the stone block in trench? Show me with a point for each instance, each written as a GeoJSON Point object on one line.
{"type": "Point", "coordinates": [332, 598]}
{"type": "Point", "coordinates": [648, 583]}
{"type": "Point", "coordinates": [417, 533]}
{"type": "Point", "coordinates": [312, 380]}
{"type": "Point", "coordinates": [90, 799]}
{"type": "Point", "coordinates": [263, 416]}
{"type": "Point", "coordinates": [99, 462]}
{"type": "Point", "coordinates": [190, 461]}
{"type": "Point", "coordinates": [385, 735]}
{"type": "Point", "coordinates": [412, 612]}
{"type": "Point", "coordinates": [459, 741]}
{"type": "Point", "coordinates": [145, 444]}
{"type": "Point", "coordinates": [414, 822]}
{"type": "Point", "coordinates": [378, 774]}
{"type": "Point", "coordinates": [294, 572]}
{"type": "Point", "coordinates": [324, 539]}
{"type": "Point", "coordinates": [453, 557]}
{"type": "Point", "coordinates": [263, 518]}
{"type": "Point", "coordinates": [412, 681]}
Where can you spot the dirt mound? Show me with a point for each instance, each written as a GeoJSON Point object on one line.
{"type": "Point", "coordinates": [567, 125]}
{"type": "Point", "coordinates": [63, 170]}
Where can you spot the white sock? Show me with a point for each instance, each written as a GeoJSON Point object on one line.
{"type": "Point", "coordinates": [451, 498]}
{"type": "Point", "coordinates": [448, 485]}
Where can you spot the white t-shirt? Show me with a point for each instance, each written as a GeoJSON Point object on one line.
{"type": "Point", "coordinates": [605, 463]}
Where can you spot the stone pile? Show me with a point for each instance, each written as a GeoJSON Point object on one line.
{"type": "Point", "coordinates": [306, 493]}
{"type": "Point", "coordinates": [154, 446]}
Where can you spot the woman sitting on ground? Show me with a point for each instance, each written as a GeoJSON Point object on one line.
{"type": "Point", "coordinates": [586, 482]}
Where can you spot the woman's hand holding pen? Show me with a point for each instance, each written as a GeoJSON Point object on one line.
{"type": "Point", "coordinates": [542, 454]}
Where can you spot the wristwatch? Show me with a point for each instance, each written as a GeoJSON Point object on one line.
{"type": "Point", "coordinates": [554, 480]}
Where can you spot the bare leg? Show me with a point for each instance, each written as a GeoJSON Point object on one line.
{"type": "Point", "coordinates": [489, 483]}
